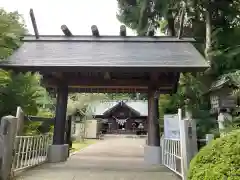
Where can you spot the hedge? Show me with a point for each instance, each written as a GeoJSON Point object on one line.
{"type": "Point", "coordinates": [219, 160]}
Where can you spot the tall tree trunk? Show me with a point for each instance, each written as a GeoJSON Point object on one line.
{"type": "Point", "coordinates": [170, 19]}
{"type": "Point", "coordinates": [208, 45]}
{"type": "Point", "coordinates": [181, 23]}
{"type": "Point", "coordinates": [143, 20]}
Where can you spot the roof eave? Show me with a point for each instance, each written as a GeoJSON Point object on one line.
{"type": "Point", "coordinates": [114, 38]}
{"type": "Point", "coordinates": [39, 68]}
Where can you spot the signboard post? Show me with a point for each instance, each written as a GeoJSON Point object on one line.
{"type": "Point", "coordinates": [171, 127]}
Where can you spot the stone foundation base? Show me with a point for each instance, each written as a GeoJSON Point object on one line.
{"type": "Point", "coordinates": [152, 155]}
{"type": "Point", "coordinates": [57, 153]}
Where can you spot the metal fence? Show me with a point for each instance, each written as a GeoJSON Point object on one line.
{"type": "Point", "coordinates": [171, 150]}
{"type": "Point", "coordinates": [203, 142]}
{"type": "Point", "coordinates": [30, 151]}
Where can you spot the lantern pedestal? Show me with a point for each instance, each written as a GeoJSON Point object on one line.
{"type": "Point", "coordinates": [223, 117]}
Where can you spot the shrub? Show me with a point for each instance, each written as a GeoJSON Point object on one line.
{"type": "Point", "coordinates": [219, 160]}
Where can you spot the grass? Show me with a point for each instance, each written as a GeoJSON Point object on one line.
{"type": "Point", "coordinates": [76, 145]}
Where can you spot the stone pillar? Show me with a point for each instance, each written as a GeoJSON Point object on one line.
{"type": "Point", "coordinates": [209, 138]}
{"type": "Point", "coordinates": [59, 150]}
{"type": "Point", "coordinates": [8, 130]}
{"type": "Point", "coordinates": [20, 124]}
{"type": "Point", "coordinates": [152, 151]}
{"type": "Point", "coordinates": [223, 117]}
{"type": "Point", "coordinates": [192, 131]}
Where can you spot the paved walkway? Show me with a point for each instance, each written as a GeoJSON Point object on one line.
{"type": "Point", "coordinates": [109, 159]}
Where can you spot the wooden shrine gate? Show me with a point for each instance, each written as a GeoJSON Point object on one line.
{"type": "Point", "coordinates": [105, 64]}
{"type": "Point", "coordinates": [177, 144]}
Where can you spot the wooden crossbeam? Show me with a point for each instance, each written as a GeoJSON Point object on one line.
{"type": "Point", "coordinates": [108, 90]}
{"type": "Point", "coordinates": [66, 30]}
{"type": "Point", "coordinates": [113, 83]}
{"type": "Point", "coordinates": [123, 31]}
{"type": "Point", "coordinates": [95, 31]}
{"type": "Point", "coordinates": [34, 23]}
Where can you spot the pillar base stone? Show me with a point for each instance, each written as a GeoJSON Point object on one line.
{"type": "Point", "coordinates": [152, 155]}
{"type": "Point", "coordinates": [57, 153]}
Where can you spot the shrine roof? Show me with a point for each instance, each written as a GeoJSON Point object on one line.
{"type": "Point", "coordinates": [227, 80]}
{"type": "Point", "coordinates": [140, 106]}
{"type": "Point", "coordinates": [82, 52]}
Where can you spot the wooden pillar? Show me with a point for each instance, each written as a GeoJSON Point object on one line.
{"type": "Point", "coordinates": [60, 117]}
{"type": "Point", "coordinates": [157, 135]}
{"type": "Point", "coordinates": [153, 122]}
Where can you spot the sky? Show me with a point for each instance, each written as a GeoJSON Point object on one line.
{"type": "Point", "coordinates": [78, 15]}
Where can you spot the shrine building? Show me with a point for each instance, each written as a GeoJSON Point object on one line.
{"type": "Point", "coordinates": [122, 117]}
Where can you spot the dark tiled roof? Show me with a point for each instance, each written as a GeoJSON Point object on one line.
{"type": "Point", "coordinates": [139, 105]}
{"type": "Point", "coordinates": [227, 79]}
{"type": "Point", "coordinates": [88, 51]}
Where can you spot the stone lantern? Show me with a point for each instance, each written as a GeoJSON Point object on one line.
{"type": "Point", "coordinates": [222, 100]}
{"type": "Point", "coordinates": [77, 125]}
{"type": "Point", "coordinates": [221, 97]}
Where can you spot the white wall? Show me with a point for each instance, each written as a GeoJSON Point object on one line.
{"type": "Point", "coordinates": [90, 129]}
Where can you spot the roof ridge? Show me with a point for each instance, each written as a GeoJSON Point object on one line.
{"type": "Point", "coordinates": [89, 38]}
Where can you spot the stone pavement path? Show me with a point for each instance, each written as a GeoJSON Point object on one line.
{"type": "Point", "coordinates": [109, 159]}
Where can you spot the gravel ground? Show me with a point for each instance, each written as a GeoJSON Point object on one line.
{"type": "Point", "coordinates": [109, 159]}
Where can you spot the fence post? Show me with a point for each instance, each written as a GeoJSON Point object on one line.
{"type": "Point", "coordinates": [184, 141]}
{"type": "Point", "coordinates": [209, 138]}
{"type": "Point", "coordinates": [8, 130]}
{"type": "Point", "coordinates": [20, 121]}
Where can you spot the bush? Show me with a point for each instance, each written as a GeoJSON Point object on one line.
{"type": "Point", "coordinates": [218, 160]}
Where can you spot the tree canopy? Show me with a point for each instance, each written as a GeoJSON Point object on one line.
{"type": "Point", "coordinates": [22, 89]}
{"type": "Point", "coordinates": [214, 24]}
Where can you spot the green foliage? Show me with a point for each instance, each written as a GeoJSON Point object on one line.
{"type": "Point", "coordinates": [163, 26]}
{"type": "Point", "coordinates": [206, 124]}
{"type": "Point", "coordinates": [81, 102]}
{"type": "Point", "coordinates": [142, 16]}
{"type": "Point", "coordinates": [119, 96]}
{"type": "Point", "coordinates": [32, 128]}
{"type": "Point", "coordinates": [23, 89]}
{"type": "Point", "coordinates": [189, 88]}
{"type": "Point", "coordinates": [11, 28]}
{"type": "Point", "coordinates": [225, 51]}
{"type": "Point", "coordinates": [218, 160]}
{"type": "Point", "coordinates": [44, 112]}
{"type": "Point", "coordinates": [4, 79]}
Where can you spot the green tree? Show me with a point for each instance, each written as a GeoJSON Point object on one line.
{"type": "Point", "coordinates": [216, 23]}
{"type": "Point", "coordinates": [81, 102]}
{"type": "Point", "coordinates": [22, 89]}
{"type": "Point", "coordinates": [11, 29]}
